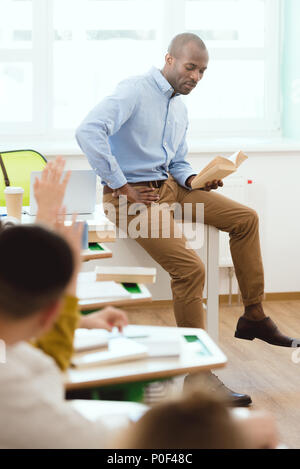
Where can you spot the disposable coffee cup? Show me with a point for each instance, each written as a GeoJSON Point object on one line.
{"type": "Point", "coordinates": [14, 201]}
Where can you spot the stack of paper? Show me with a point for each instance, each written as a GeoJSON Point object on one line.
{"type": "Point", "coordinates": [159, 342]}
{"type": "Point", "coordinates": [162, 345]}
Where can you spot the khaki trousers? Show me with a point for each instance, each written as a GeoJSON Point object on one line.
{"type": "Point", "coordinates": [184, 266]}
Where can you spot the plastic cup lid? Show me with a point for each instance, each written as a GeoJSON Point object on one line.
{"type": "Point", "coordinates": [13, 190]}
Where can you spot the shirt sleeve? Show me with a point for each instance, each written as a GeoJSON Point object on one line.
{"type": "Point", "coordinates": [58, 342]}
{"type": "Point", "coordinates": [102, 122]}
{"type": "Point", "coordinates": [179, 168]}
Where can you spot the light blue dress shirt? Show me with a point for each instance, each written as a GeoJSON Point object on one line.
{"type": "Point", "coordinates": [138, 133]}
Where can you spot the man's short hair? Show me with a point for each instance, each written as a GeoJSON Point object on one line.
{"type": "Point", "coordinates": [35, 267]}
{"type": "Point", "coordinates": [179, 41]}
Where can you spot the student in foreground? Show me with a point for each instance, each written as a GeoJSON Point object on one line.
{"type": "Point", "coordinates": [201, 421]}
{"type": "Point", "coordinates": [33, 411]}
{"type": "Point", "coordinates": [58, 340]}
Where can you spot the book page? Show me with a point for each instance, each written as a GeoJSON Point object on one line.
{"type": "Point", "coordinates": [217, 172]}
{"type": "Point", "coordinates": [238, 158]}
{"type": "Point", "coordinates": [216, 161]}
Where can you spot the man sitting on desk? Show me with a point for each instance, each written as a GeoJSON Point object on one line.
{"type": "Point", "coordinates": [135, 140]}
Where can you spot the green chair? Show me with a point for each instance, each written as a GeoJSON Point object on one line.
{"type": "Point", "coordinates": [19, 164]}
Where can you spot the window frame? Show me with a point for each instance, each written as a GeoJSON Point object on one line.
{"type": "Point", "coordinates": [41, 58]}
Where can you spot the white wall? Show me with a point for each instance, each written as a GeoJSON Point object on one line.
{"type": "Point", "coordinates": [275, 195]}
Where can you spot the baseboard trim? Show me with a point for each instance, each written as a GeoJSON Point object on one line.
{"type": "Point", "coordinates": [278, 296]}
{"type": "Point", "coordinates": [224, 299]}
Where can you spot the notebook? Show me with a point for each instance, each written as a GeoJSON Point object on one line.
{"type": "Point", "coordinates": [118, 351]}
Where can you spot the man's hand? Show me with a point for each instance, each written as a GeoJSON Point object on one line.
{"type": "Point", "coordinates": [106, 319]}
{"type": "Point", "coordinates": [142, 196]}
{"type": "Point", "coordinates": [49, 191]}
{"type": "Point", "coordinates": [214, 185]}
{"type": "Point", "coordinates": [209, 186]}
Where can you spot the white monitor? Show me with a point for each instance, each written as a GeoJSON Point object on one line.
{"type": "Point", "coordinates": [80, 196]}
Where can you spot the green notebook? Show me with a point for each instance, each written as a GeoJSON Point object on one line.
{"type": "Point", "coordinates": [95, 247]}
{"type": "Point", "coordinates": [132, 287]}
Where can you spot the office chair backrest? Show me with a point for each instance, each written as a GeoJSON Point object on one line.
{"type": "Point", "coordinates": [18, 165]}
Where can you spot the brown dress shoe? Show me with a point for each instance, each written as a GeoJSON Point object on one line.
{"type": "Point", "coordinates": [265, 330]}
{"type": "Point", "coordinates": [211, 383]}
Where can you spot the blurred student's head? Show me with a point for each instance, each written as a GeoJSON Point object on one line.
{"type": "Point", "coordinates": [36, 266]}
{"type": "Point", "coordinates": [198, 421]}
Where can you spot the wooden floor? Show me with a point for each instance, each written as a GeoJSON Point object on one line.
{"type": "Point", "coordinates": [265, 372]}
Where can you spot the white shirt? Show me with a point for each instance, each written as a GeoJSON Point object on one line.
{"type": "Point", "coordinates": [33, 411]}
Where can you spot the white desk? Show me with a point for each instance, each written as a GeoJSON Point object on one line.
{"type": "Point", "coordinates": [189, 361]}
{"type": "Point", "coordinates": [143, 297]}
{"type": "Point", "coordinates": [90, 254]}
{"type": "Point", "coordinates": [101, 230]}
{"type": "Point", "coordinates": [114, 413]}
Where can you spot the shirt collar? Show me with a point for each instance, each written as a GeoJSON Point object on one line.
{"type": "Point", "coordinates": [161, 82]}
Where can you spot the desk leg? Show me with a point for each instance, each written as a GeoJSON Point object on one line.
{"type": "Point", "coordinates": [213, 283]}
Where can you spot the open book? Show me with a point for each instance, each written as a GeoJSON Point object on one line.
{"type": "Point", "coordinates": [218, 169]}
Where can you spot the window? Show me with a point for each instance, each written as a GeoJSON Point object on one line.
{"type": "Point", "coordinates": [240, 92]}
{"type": "Point", "coordinates": [58, 58]}
{"type": "Point", "coordinates": [16, 65]}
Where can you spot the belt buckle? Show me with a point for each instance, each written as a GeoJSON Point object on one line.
{"type": "Point", "coordinates": [155, 184]}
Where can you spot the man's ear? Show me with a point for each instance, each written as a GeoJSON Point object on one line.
{"type": "Point", "coordinates": [168, 59]}
{"type": "Point", "coordinates": [49, 315]}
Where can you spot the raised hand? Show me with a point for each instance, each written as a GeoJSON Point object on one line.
{"type": "Point", "coordinates": [49, 191]}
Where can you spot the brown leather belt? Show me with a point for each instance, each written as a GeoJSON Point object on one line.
{"type": "Point", "coordinates": [156, 184]}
